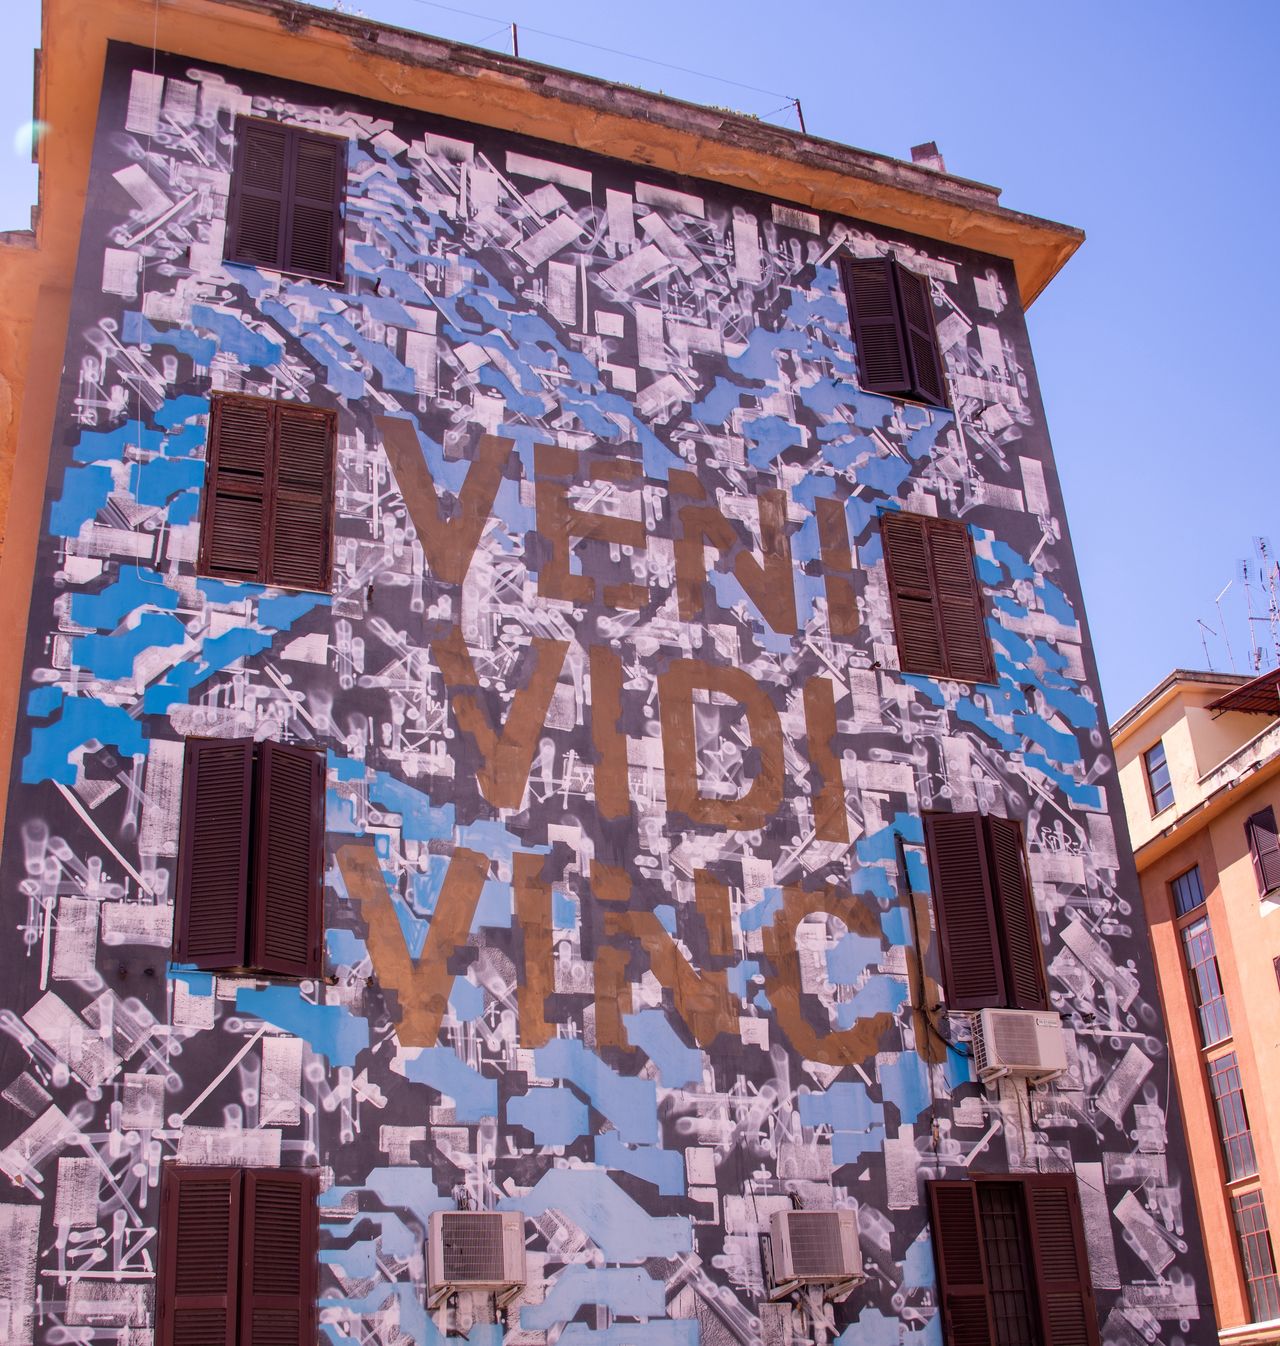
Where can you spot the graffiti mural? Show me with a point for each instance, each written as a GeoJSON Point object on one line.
{"type": "Point", "coordinates": [618, 933]}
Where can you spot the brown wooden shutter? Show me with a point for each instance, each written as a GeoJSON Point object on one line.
{"type": "Point", "coordinates": [198, 1256]}
{"type": "Point", "coordinates": [288, 871]}
{"type": "Point", "coordinates": [1264, 847]}
{"type": "Point", "coordinates": [259, 194]}
{"type": "Point", "coordinates": [963, 1292]}
{"type": "Point", "coordinates": [966, 648]}
{"type": "Point", "coordinates": [929, 382]}
{"type": "Point", "coordinates": [967, 930]}
{"type": "Point", "coordinates": [213, 853]}
{"type": "Point", "coordinates": [1015, 907]}
{"type": "Point", "coordinates": [238, 487]}
{"type": "Point", "coordinates": [877, 329]}
{"type": "Point", "coordinates": [302, 519]}
{"type": "Point", "coordinates": [1067, 1313]}
{"type": "Point", "coordinates": [319, 179]}
{"type": "Point", "coordinates": [915, 615]}
{"type": "Point", "coordinates": [278, 1280]}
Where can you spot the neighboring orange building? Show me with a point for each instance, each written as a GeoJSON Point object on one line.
{"type": "Point", "coordinates": [1199, 761]}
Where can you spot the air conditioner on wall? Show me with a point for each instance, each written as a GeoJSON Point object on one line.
{"type": "Point", "coordinates": [475, 1250]}
{"type": "Point", "coordinates": [815, 1246]}
{"type": "Point", "coordinates": [1029, 1043]}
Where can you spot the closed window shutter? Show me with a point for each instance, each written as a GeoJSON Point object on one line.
{"type": "Point", "coordinates": [301, 526]}
{"type": "Point", "coordinates": [259, 194]}
{"type": "Point", "coordinates": [213, 864]}
{"type": "Point", "coordinates": [911, 594]}
{"type": "Point", "coordinates": [963, 1291]}
{"type": "Point", "coordinates": [315, 216]}
{"type": "Point", "coordinates": [1024, 963]}
{"type": "Point", "coordinates": [967, 651]}
{"type": "Point", "coordinates": [278, 1259]}
{"type": "Point", "coordinates": [1264, 846]}
{"type": "Point", "coordinates": [237, 503]}
{"type": "Point", "coordinates": [198, 1256]}
{"type": "Point", "coordinates": [288, 888]}
{"type": "Point", "coordinates": [967, 931]}
{"type": "Point", "coordinates": [929, 382]}
{"type": "Point", "coordinates": [877, 329]}
{"type": "Point", "coordinates": [1067, 1313]}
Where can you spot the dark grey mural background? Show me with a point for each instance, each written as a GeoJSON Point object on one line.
{"type": "Point", "coordinates": [614, 922]}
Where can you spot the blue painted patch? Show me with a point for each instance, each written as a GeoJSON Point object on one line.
{"type": "Point", "coordinates": [280, 611]}
{"type": "Point", "coordinates": [81, 718]}
{"type": "Point", "coordinates": [739, 976]}
{"type": "Point", "coordinates": [84, 493]}
{"type": "Point", "coordinates": [466, 1000]}
{"type": "Point", "coordinates": [555, 1116]}
{"type": "Point", "coordinates": [904, 1083]}
{"type": "Point", "coordinates": [423, 820]}
{"type": "Point", "coordinates": [620, 1227]}
{"type": "Point", "coordinates": [475, 1096]}
{"type": "Point", "coordinates": [156, 481]}
{"type": "Point", "coordinates": [344, 948]}
{"type": "Point", "coordinates": [235, 337]}
{"type": "Point", "coordinates": [331, 1030]}
{"type": "Point", "coordinates": [761, 914]}
{"type": "Point", "coordinates": [881, 995]}
{"type": "Point", "coordinates": [111, 656]}
{"type": "Point", "coordinates": [42, 701]}
{"type": "Point", "coordinates": [140, 331]}
{"type": "Point", "coordinates": [108, 607]}
{"type": "Point", "coordinates": [850, 958]}
{"type": "Point", "coordinates": [198, 983]}
{"type": "Point", "coordinates": [663, 1168]}
{"type": "Point", "coordinates": [678, 1065]}
{"type": "Point", "coordinates": [630, 1104]}
{"type": "Point", "coordinates": [627, 1291]}
{"type": "Point", "coordinates": [845, 1106]}
{"type": "Point", "coordinates": [661, 1332]}
{"type": "Point", "coordinates": [214, 656]}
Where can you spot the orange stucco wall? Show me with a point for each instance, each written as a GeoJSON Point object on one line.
{"type": "Point", "coordinates": [1246, 934]}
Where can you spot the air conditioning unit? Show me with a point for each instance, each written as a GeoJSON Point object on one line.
{"type": "Point", "coordinates": [475, 1250]}
{"type": "Point", "coordinates": [1029, 1043]}
{"type": "Point", "coordinates": [813, 1246]}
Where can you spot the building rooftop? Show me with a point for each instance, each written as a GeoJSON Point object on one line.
{"type": "Point", "coordinates": [351, 53]}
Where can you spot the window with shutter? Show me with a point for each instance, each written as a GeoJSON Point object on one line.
{"type": "Point", "coordinates": [289, 869]}
{"type": "Point", "coordinates": [964, 1292]}
{"type": "Point", "coordinates": [1264, 847]}
{"type": "Point", "coordinates": [972, 967]}
{"type": "Point", "coordinates": [250, 858]}
{"type": "Point", "coordinates": [199, 1256]}
{"type": "Point", "coordinates": [213, 853]}
{"type": "Point", "coordinates": [237, 1257]}
{"type": "Point", "coordinates": [1012, 1261]}
{"type": "Point", "coordinates": [287, 190]}
{"type": "Point", "coordinates": [1060, 1260]}
{"type": "Point", "coordinates": [278, 1258]}
{"type": "Point", "coordinates": [268, 504]}
{"type": "Point", "coordinates": [938, 615]}
{"type": "Point", "coordinates": [894, 333]}
{"type": "Point", "coordinates": [987, 928]}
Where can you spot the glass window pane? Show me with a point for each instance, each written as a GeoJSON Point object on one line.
{"type": "Point", "coordinates": [1233, 1120]}
{"type": "Point", "coordinates": [1158, 777]}
{"type": "Point", "coordinates": [1206, 984]}
{"type": "Point", "coordinates": [1257, 1256]}
{"type": "Point", "coordinates": [1188, 894]}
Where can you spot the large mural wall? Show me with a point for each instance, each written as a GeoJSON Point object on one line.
{"type": "Point", "coordinates": [618, 757]}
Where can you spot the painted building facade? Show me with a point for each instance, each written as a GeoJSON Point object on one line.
{"type": "Point", "coordinates": [1205, 843]}
{"type": "Point", "coordinates": [626, 916]}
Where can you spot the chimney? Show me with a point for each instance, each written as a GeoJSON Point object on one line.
{"type": "Point", "coordinates": [927, 156]}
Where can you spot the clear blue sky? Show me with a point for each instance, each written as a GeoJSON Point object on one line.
{"type": "Point", "coordinates": [1152, 126]}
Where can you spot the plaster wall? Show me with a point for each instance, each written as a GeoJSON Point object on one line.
{"type": "Point", "coordinates": [615, 932]}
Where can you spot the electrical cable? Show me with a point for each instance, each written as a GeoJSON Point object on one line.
{"type": "Point", "coordinates": [612, 51]}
